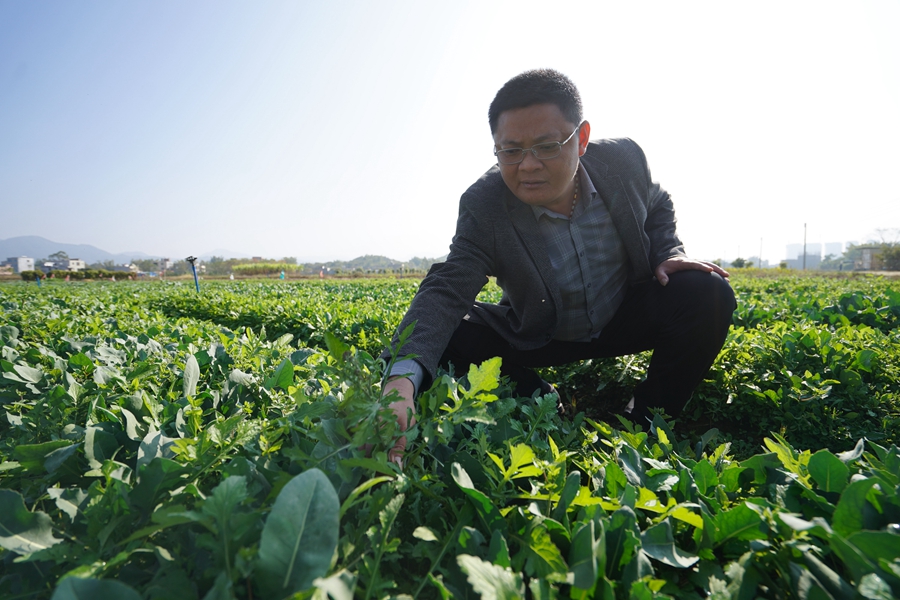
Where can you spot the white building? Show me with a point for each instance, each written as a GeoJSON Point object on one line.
{"type": "Point", "coordinates": [69, 264]}
{"type": "Point", "coordinates": [835, 249]}
{"type": "Point", "coordinates": [21, 263]}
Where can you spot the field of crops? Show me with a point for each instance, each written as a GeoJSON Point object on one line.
{"type": "Point", "coordinates": [158, 443]}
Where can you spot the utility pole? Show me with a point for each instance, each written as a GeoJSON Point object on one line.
{"type": "Point", "coordinates": [804, 246]}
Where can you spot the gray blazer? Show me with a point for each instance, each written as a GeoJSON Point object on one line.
{"type": "Point", "coordinates": [497, 235]}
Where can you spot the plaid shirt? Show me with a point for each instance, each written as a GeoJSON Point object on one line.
{"type": "Point", "coordinates": [589, 261]}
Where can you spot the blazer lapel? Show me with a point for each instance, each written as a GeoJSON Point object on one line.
{"type": "Point", "coordinates": [612, 191]}
{"type": "Point", "coordinates": [522, 218]}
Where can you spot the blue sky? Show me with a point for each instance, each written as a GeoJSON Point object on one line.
{"type": "Point", "coordinates": [331, 130]}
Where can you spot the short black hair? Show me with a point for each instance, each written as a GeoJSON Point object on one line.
{"type": "Point", "coordinates": [538, 86]}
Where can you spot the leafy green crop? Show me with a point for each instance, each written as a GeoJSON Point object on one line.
{"type": "Point", "coordinates": [156, 443]}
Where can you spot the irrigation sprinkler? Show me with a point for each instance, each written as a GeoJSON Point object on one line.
{"type": "Point", "coordinates": [192, 260]}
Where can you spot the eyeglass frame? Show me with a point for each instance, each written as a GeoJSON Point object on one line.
{"type": "Point", "coordinates": [534, 151]}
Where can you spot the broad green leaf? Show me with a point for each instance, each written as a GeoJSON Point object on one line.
{"type": "Point", "coordinates": [56, 458]}
{"type": "Point", "coordinates": [568, 494]}
{"type": "Point", "coordinates": [585, 558]}
{"type": "Point", "coordinates": [353, 498]}
{"type": "Point", "coordinates": [70, 501]}
{"type": "Point", "coordinates": [806, 586]}
{"type": "Point", "coordinates": [154, 445]}
{"type": "Point", "coordinates": [23, 531]}
{"type": "Point", "coordinates": [852, 455]}
{"type": "Point", "coordinates": [492, 582]}
{"type": "Point", "coordinates": [99, 445]}
{"type": "Point", "coordinates": [873, 587]}
{"type": "Point", "coordinates": [740, 523]}
{"type": "Point", "coordinates": [161, 475]}
{"type": "Point", "coordinates": [622, 541]}
{"type": "Point", "coordinates": [73, 588]}
{"type": "Point", "coordinates": [222, 503]}
{"type": "Point", "coordinates": [877, 545]}
{"type": "Point", "coordinates": [658, 542]}
{"type": "Point", "coordinates": [283, 377]}
{"type": "Point", "coordinates": [134, 429]}
{"type": "Point", "coordinates": [498, 552]}
{"type": "Point", "coordinates": [191, 376]}
{"type": "Point", "coordinates": [32, 457]}
{"type": "Point", "coordinates": [425, 534]}
{"type": "Point", "coordinates": [828, 471]}
{"type": "Point", "coordinates": [81, 361]}
{"type": "Point", "coordinates": [483, 505]}
{"type": "Point", "coordinates": [830, 580]}
{"type": "Point", "coordinates": [683, 512]}
{"type": "Point", "coordinates": [338, 586]}
{"type": "Point", "coordinates": [848, 514]}
{"type": "Point", "coordinates": [544, 558]}
{"type": "Point", "coordinates": [29, 374]}
{"type": "Point", "coordinates": [853, 558]}
{"type": "Point", "coordinates": [818, 526]}
{"type": "Point", "coordinates": [300, 535]}
{"type": "Point", "coordinates": [705, 476]}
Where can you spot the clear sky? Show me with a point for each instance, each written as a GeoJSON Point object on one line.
{"type": "Point", "coordinates": [328, 130]}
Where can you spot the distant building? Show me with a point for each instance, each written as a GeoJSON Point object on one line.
{"type": "Point", "coordinates": [793, 251]}
{"type": "Point", "coordinates": [757, 262]}
{"type": "Point", "coordinates": [870, 259]}
{"type": "Point", "coordinates": [67, 264]}
{"type": "Point", "coordinates": [812, 262]}
{"type": "Point", "coordinates": [165, 263]}
{"type": "Point", "coordinates": [20, 263]}
{"type": "Point", "coordinates": [835, 249]}
{"type": "Point", "coordinates": [124, 269]}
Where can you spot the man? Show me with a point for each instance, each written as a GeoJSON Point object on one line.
{"type": "Point", "coordinates": [583, 244]}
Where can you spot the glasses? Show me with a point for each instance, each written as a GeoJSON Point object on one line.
{"type": "Point", "coordinates": [543, 151]}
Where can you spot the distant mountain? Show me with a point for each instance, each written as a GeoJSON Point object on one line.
{"type": "Point", "coordinates": [37, 247]}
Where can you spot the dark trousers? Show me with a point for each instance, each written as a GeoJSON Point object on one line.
{"type": "Point", "coordinates": [685, 324]}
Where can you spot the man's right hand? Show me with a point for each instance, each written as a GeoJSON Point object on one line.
{"type": "Point", "coordinates": [404, 409]}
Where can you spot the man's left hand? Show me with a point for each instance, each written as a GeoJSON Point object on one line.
{"type": "Point", "coordinates": [683, 263]}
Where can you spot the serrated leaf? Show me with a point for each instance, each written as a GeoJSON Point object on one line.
{"type": "Point", "coordinates": [483, 378]}
{"type": "Point", "coordinates": [23, 531]}
{"type": "Point", "coordinates": [300, 535]}
{"type": "Point", "coordinates": [492, 582]}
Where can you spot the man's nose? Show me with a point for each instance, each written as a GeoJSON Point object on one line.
{"type": "Point", "coordinates": [531, 162]}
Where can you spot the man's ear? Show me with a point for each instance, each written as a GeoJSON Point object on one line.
{"type": "Point", "coordinates": [584, 135]}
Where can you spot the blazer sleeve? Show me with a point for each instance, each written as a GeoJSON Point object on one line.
{"type": "Point", "coordinates": [448, 291]}
{"type": "Point", "coordinates": [660, 222]}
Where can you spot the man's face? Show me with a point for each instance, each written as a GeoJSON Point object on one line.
{"type": "Point", "coordinates": [549, 182]}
